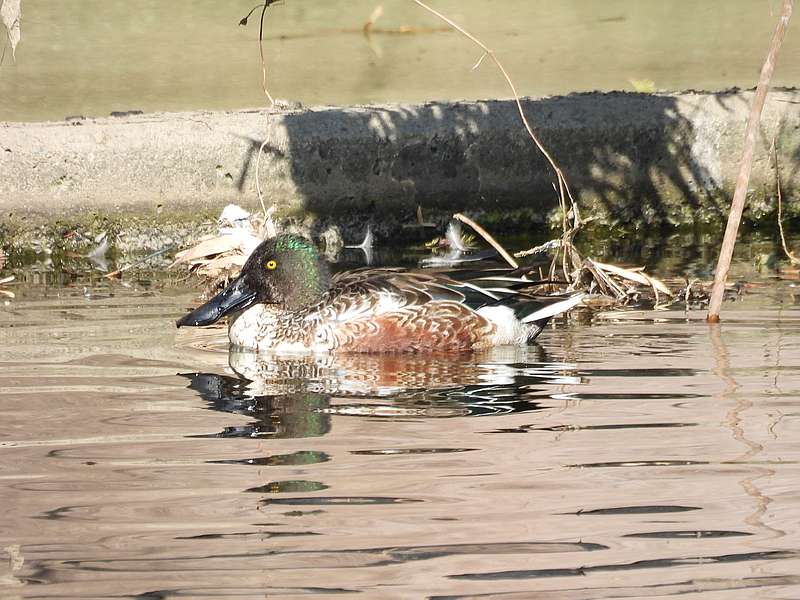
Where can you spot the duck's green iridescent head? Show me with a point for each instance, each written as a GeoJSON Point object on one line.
{"type": "Point", "coordinates": [286, 270]}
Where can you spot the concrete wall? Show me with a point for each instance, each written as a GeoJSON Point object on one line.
{"type": "Point", "coordinates": [632, 159]}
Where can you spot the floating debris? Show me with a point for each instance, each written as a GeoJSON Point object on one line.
{"type": "Point", "coordinates": [97, 256]}
{"type": "Point", "coordinates": [366, 246]}
{"type": "Point", "coordinates": [461, 249]}
{"type": "Point", "coordinates": [219, 258]}
{"type": "Point", "coordinates": [454, 239]}
{"type": "Point", "coordinates": [546, 247]}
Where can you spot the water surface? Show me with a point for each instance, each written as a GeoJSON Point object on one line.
{"type": "Point", "coordinates": [639, 454]}
{"type": "Point", "coordinates": [92, 57]}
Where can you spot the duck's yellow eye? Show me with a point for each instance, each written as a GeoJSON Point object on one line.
{"type": "Point", "coordinates": [271, 265]}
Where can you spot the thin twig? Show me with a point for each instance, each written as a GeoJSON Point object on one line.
{"type": "Point", "coordinates": [263, 6]}
{"type": "Point", "coordinates": [655, 290]}
{"type": "Point", "coordinates": [139, 262]}
{"type": "Point", "coordinates": [746, 165]}
{"type": "Point", "coordinates": [564, 190]}
{"type": "Point", "coordinates": [261, 52]}
{"type": "Point", "coordinates": [789, 254]}
{"type": "Point", "coordinates": [485, 234]}
{"type": "Point", "coordinates": [244, 19]}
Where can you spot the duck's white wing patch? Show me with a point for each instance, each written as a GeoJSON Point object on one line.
{"type": "Point", "coordinates": [556, 308]}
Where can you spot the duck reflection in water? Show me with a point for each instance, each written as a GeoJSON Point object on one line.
{"type": "Point", "coordinates": [293, 397]}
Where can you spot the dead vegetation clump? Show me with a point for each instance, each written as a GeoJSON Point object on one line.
{"type": "Point", "coordinates": [219, 258]}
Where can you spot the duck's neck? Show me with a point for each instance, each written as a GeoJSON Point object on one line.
{"type": "Point", "coordinates": [313, 278]}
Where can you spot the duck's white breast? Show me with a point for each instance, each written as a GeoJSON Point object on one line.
{"type": "Point", "coordinates": [266, 328]}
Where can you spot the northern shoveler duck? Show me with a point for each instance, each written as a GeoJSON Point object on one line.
{"type": "Point", "coordinates": [285, 300]}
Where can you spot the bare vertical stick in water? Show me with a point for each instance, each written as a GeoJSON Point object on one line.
{"type": "Point", "coordinates": [743, 179]}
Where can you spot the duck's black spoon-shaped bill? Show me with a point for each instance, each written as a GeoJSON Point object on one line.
{"type": "Point", "coordinates": [237, 296]}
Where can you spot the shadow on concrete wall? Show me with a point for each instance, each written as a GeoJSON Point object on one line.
{"type": "Point", "coordinates": [631, 159]}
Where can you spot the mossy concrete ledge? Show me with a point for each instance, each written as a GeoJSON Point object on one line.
{"type": "Point", "coordinates": [631, 159]}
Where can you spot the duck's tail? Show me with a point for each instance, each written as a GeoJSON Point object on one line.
{"type": "Point", "coordinates": [553, 305]}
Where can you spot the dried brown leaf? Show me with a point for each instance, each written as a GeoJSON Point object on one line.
{"type": "Point", "coordinates": [659, 285]}
{"type": "Point", "coordinates": [224, 262]}
{"type": "Point", "coordinates": [606, 284]}
{"type": "Point", "coordinates": [208, 248]}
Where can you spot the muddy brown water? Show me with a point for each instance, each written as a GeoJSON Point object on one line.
{"type": "Point", "coordinates": [94, 57]}
{"type": "Point", "coordinates": [642, 454]}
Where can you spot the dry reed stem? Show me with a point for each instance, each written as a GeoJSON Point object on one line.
{"type": "Point", "coordinates": [607, 285]}
{"type": "Point", "coordinates": [485, 235]}
{"type": "Point", "coordinates": [564, 190]}
{"type": "Point", "coordinates": [119, 272]}
{"type": "Point", "coordinates": [746, 165]}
